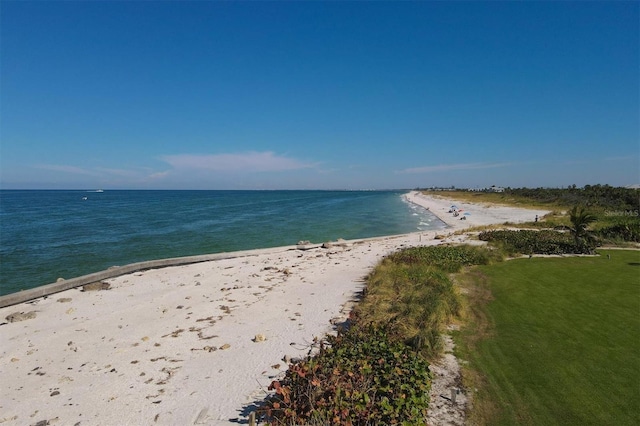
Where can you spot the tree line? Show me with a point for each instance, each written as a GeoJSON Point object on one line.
{"type": "Point", "coordinates": [593, 196]}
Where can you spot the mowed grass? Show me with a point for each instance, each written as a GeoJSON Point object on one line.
{"type": "Point", "coordinates": [560, 341]}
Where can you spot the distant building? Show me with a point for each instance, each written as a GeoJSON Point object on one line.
{"type": "Point", "coordinates": [495, 189]}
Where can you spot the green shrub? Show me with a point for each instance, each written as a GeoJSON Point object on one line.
{"type": "Point", "coordinates": [532, 242]}
{"type": "Point", "coordinates": [446, 258]}
{"type": "Point", "coordinates": [629, 231]}
{"type": "Point", "coordinates": [377, 371]}
{"type": "Point", "coordinates": [359, 377]}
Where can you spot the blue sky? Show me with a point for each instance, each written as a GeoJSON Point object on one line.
{"type": "Point", "coordinates": [318, 95]}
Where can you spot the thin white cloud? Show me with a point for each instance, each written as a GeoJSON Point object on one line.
{"type": "Point", "coordinates": [106, 174]}
{"type": "Point", "coordinates": [159, 175]}
{"type": "Point", "coordinates": [66, 169]}
{"type": "Point", "coordinates": [118, 172]}
{"type": "Point", "coordinates": [451, 167]}
{"type": "Point", "coordinates": [97, 171]}
{"type": "Point", "coordinates": [622, 158]}
{"type": "Point", "coordinates": [239, 162]}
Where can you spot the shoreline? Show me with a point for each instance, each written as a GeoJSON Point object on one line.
{"type": "Point", "coordinates": [49, 289]}
{"type": "Point", "coordinates": [196, 343]}
{"type": "Point", "coordinates": [41, 279]}
{"type": "Point", "coordinates": [435, 205]}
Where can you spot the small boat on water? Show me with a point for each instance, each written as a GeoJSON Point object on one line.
{"type": "Point", "coordinates": [99, 190]}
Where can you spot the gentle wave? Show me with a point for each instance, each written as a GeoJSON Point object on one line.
{"type": "Point", "coordinates": [51, 234]}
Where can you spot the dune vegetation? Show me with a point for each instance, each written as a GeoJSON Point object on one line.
{"type": "Point", "coordinates": [376, 370]}
{"type": "Point", "coordinates": [615, 210]}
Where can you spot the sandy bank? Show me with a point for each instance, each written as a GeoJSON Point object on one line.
{"type": "Point", "coordinates": [473, 214]}
{"type": "Point", "coordinates": [191, 344]}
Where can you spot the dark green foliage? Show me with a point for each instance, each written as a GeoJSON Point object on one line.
{"type": "Point", "coordinates": [533, 242]}
{"type": "Point", "coordinates": [359, 377]}
{"type": "Point", "coordinates": [580, 220]}
{"type": "Point", "coordinates": [623, 231]}
{"type": "Point", "coordinates": [448, 259]}
{"type": "Point", "coordinates": [377, 372]}
{"type": "Point", "coordinates": [593, 196]}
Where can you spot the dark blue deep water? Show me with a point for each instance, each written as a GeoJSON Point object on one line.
{"type": "Point", "coordinates": [45, 235]}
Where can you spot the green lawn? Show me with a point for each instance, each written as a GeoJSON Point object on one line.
{"type": "Point", "coordinates": [563, 341]}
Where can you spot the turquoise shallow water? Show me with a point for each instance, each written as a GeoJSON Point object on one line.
{"type": "Point", "coordinates": [45, 235]}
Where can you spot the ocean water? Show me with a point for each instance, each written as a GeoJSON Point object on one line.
{"type": "Point", "coordinates": [45, 235]}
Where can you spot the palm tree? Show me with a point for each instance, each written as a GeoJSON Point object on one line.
{"type": "Point", "coordinates": [580, 221]}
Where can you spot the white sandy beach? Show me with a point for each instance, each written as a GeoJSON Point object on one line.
{"type": "Point", "coordinates": [193, 344]}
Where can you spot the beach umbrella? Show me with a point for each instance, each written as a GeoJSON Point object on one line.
{"type": "Point", "coordinates": [467, 214]}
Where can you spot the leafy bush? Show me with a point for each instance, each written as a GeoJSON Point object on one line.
{"type": "Point", "coordinates": [598, 196]}
{"type": "Point", "coordinates": [377, 371]}
{"type": "Point", "coordinates": [358, 377]}
{"type": "Point", "coordinates": [629, 231]}
{"type": "Point", "coordinates": [446, 258]}
{"type": "Point", "coordinates": [532, 242]}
